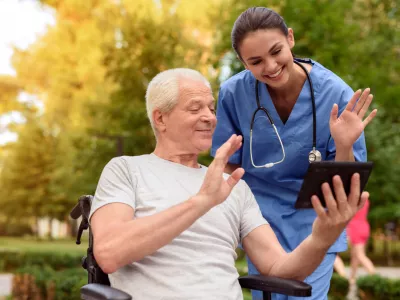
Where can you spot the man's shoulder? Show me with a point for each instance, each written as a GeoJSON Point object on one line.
{"type": "Point", "coordinates": [128, 162]}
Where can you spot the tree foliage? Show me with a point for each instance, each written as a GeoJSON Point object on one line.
{"type": "Point", "coordinates": [359, 41]}
{"type": "Point", "coordinates": [91, 70]}
{"type": "Point", "coordinates": [35, 174]}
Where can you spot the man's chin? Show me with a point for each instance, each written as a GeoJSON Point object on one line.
{"type": "Point", "coordinates": [204, 147]}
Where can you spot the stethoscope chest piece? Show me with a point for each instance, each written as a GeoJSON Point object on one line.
{"type": "Point", "coordinates": [314, 156]}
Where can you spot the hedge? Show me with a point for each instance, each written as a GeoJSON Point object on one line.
{"type": "Point", "coordinates": [38, 282]}
{"type": "Point", "coordinates": [12, 260]}
{"type": "Point", "coordinates": [378, 287]}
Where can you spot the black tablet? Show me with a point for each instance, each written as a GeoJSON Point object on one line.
{"type": "Point", "coordinates": [323, 171]}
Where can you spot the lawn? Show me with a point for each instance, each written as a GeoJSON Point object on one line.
{"type": "Point", "coordinates": [69, 246]}
{"type": "Point", "coordinates": [34, 245]}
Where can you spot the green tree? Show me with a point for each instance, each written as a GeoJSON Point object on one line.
{"type": "Point", "coordinates": [9, 89]}
{"type": "Point", "coordinates": [33, 182]}
{"type": "Point", "coordinates": [359, 41]}
{"type": "Point", "coordinates": [91, 70]}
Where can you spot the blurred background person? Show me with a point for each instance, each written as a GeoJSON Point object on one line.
{"type": "Point", "coordinates": [358, 231]}
{"type": "Point", "coordinates": [339, 267]}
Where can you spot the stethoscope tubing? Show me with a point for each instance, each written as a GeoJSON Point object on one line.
{"type": "Point", "coordinates": [314, 152]}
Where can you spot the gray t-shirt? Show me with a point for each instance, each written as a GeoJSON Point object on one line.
{"type": "Point", "coordinates": [200, 262]}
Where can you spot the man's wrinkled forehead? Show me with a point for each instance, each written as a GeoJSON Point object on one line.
{"type": "Point", "coordinates": [194, 90]}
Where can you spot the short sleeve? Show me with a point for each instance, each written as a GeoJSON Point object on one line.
{"type": "Point", "coordinates": [359, 147]}
{"type": "Point", "coordinates": [115, 185]}
{"type": "Point", "coordinates": [227, 124]}
{"type": "Point", "coordinates": [251, 217]}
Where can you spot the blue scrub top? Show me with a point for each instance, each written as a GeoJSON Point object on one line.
{"type": "Point", "coordinates": [276, 188]}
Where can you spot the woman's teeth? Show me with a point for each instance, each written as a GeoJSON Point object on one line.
{"type": "Point", "coordinates": [275, 74]}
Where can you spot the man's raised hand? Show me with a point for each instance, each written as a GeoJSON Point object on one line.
{"type": "Point", "coordinates": [215, 188]}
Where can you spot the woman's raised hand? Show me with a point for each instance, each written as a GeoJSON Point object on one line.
{"type": "Point", "coordinates": [347, 128]}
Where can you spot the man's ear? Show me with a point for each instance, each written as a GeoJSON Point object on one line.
{"type": "Point", "coordinates": [159, 120]}
{"type": "Point", "coordinates": [241, 60]}
{"type": "Point", "coordinates": [290, 38]}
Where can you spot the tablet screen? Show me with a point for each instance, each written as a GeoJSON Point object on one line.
{"type": "Point", "coordinates": [323, 171]}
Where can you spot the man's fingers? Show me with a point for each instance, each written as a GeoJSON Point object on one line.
{"type": "Point", "coordinates": [222, 154]}
{"type": "Point", "coordinates": [319, 209]}
{"type": "Point", "coordinates": [229, 147]}
{"type": "Point", "coordinates": [235, 177]}
{"type": "Point", "coordinates": [354, 195]}
{"type": "Point", "coordinates": [235, 145]}
{"type": "Point", "coordinates": [329, 200]}
{"type": "Point", "coordinates": [353, 100]}
{"type": "Point", "coordinates": [341, 197]}
{"type": "Point", "coordinates": [363, 199]}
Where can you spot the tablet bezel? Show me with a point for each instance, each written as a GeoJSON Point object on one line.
{"type": "Point", "coordinates": [323, 171]}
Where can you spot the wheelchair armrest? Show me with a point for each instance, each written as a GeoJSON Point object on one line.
{"type": "Point", "coordinates": [277, 285]}
{"type": "Point", "coordinates": [95, 291]}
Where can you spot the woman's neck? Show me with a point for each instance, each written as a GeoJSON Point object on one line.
{"type": "Point", "coordinates": [285, 97]}
{"type": "Point", "coordinates": [293, 86]}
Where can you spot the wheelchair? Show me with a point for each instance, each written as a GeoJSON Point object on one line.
{"type": "Point", "coordinates": [98, 287]}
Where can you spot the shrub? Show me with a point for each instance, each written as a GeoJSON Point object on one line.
{"type": "Point", "coordinates": [16, 228]}
{"type": "Point", "coordinates": [32, 282]}
{"type": "Point", "coordinates": [12, 260]}
{"type": "Point", "coordinates": [69, 282]}
{"type": "Point", "coordinates": [36, 282]}
{"type": "Point", "coordinates": [377, 287]}
{"type": "Point", "coordinates": [339, 287]}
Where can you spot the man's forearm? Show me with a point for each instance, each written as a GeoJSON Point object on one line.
{"type": "Point", "coordinates": [301, 262]}
{"type": "Point", "coordinates": [125, 242]}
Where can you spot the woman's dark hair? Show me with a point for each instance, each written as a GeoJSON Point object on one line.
{"type": "Point", "coordinates": [253, 19]}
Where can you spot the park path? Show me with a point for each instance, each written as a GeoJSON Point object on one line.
{"type": "Point", "coordinates": [5, 285]}
{"type": "Point", "coordinates": [384, 271]}
{"type": "Point", "coordinates": [6, 279]}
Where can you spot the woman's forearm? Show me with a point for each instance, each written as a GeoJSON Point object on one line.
{"type": "Point", "coordinates": [344, 154]}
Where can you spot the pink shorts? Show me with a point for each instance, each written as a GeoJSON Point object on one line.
{"type": "Point", "coordinates": [358, 232]}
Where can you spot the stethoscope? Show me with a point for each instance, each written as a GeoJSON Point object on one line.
{"type": "Point", "coordinates": [314, 154]}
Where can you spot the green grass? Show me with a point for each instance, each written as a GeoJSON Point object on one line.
{"type": "Point", "coordinates": [33, 245]}
{"type": "Point", "coordinates": [246, 295]}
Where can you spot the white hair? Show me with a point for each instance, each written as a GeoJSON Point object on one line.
{"type": "Point", "coordinates": [163, 90]}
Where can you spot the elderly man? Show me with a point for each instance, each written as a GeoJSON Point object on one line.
{"type": "Point", "coordinates": [166, 227]}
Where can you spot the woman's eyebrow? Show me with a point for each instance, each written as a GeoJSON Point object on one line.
{"type": "Point", "coordinates": [276, 45]}
{"type": "Point", "coordinates": [272, 49]}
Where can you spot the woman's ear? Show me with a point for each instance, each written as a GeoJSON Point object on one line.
{"type": "Point", "coordinates": [241, 60]}
{"type": "Point", "coordinates": [290, 38]}
{"type": "Point", "coordinates": [158, 120]}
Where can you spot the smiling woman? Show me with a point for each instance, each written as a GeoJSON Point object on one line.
{"type": "Point", "coordinates": [275, 81]}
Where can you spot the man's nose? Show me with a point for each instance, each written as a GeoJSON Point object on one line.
{"type": "Point", "coordinates": [208, 116]}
